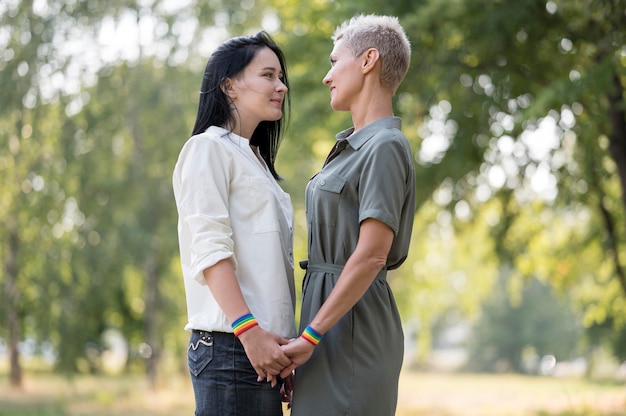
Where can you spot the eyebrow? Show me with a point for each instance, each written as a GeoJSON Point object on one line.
{"type": "Point", "coordinates": [271, 68]}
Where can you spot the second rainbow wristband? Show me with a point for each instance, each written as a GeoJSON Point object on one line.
{"type": "Point", "coordinates": [311, 335]}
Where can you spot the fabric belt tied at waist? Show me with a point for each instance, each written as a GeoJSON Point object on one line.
{"type": "Point", "coordinates": [334, 269]}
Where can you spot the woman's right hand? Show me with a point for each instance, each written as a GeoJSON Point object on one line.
{"type": "Point", "coordinates": [263, 350]}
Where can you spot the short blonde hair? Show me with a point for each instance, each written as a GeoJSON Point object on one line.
{"type": "Point", "coordinates": [386, 35]}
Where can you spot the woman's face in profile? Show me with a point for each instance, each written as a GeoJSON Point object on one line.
{"type": "Point", "coordinates": [258, 91]}
{"type": "Point", "coordinates": [344, 77]}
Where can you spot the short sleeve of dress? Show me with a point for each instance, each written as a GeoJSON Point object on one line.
{"type": "Point", "coordinates": [384, 180]}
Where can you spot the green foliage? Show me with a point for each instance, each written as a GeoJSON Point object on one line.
{"type": "Point", "coordinates": [538, 321]}
{"type": "Point", "coordinates": [485, 75]}
{"type": "Point", "coordinates": [90, 141]}
{"type": "Point", "coordinates": [93, 204]}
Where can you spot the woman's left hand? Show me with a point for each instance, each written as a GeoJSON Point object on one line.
{"type": "Point", "coordinates": [299, 351]}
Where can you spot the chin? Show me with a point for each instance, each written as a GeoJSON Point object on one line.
{"type": "Point", "coordinates": [276, 116]}
{"type": "Point", "coordinates": [337, 107]}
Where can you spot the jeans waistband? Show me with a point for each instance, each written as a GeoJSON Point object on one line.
{"type": "Point", "coordinates": [213, 333]}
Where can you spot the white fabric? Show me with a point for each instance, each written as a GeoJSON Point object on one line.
{"type": "Point", "coordinates": [230, 207]}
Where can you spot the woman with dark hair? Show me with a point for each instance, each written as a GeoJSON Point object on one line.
{"type": "Point", "coordinates": [235, 229]}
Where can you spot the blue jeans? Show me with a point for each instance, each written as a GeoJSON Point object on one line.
{"type": "Point", "coordinates": [224, 382]}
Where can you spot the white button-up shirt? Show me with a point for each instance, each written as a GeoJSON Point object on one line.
{"type": "Point", "coordinates": [230, 207]}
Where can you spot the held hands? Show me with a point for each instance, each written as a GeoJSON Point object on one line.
{"type": "Point", "coordinates": [264, 351]}
{"type": "Point", "coordinates": [299, 351]}
{"type": "Point", "coordinates": [272, 355]}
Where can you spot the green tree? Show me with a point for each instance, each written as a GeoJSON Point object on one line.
{"type": "Point", "coordinates": [129, 151]}
{"type": "Point", "coordinates": [37, 217]}
{"type": "Point", "coordinates": [538, 322]}
{"type": "Point", "coordinates": [522, 102]}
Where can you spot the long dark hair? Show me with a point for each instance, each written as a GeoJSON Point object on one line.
{"type": "Point", "coordinates": [214, 107]}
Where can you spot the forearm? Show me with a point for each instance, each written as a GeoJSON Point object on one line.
{"type": "Point", "coordinates": [368, 258]}
{"type": "Point", "coordinates": [366, 261]}
{"type": "Point", "coordinates": [356, 277]}
{"type": "Point", "coordinates": [262, 347]}
{"type": "Point", "coordinates": [222, 282]}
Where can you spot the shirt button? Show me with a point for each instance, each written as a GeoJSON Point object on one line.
{"type": "Point", "coordinates": [322, 182]}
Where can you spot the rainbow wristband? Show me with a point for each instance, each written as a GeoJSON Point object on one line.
{"type": "Point", "coordinates": [311, 335]}
{"type": "Point", "coordinates": [243, 323]}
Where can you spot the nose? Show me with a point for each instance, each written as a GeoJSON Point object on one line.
{"type": "Point", "coordinates": [281, 87]}
{"type": "Point", "coordinates": [327, 79]}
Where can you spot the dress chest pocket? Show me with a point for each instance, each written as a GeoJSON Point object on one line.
{"type": "Point", "coordinates": [326, 198]}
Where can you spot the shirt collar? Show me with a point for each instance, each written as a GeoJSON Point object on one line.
{"type": "Point", "coordinates": [220, 131]}
{"type": "Point", "coordinates": [358, 139]}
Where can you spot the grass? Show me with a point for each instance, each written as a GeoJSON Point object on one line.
{"type": "Point", "coordinates": [421, 394]}
{"type": "Point", "coordinates": [430, 394]}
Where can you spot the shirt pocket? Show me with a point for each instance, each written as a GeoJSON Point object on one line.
{"type": "Point", "coordinates": [264, 205]}
{"type": "Point", "coordinates": [328, 193]}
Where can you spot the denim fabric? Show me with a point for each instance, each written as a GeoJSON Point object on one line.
{"type": "Point", "coordinates": [224, 381]}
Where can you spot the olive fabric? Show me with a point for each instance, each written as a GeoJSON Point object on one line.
{"type": "Point", "coordinates": [355, 368]}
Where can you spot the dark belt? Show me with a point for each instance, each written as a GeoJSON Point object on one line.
{"type": "Point", "coordinates": [334, 269]}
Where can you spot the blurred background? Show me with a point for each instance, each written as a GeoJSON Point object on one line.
{"type": "Point", "coordinates": [514, 293]}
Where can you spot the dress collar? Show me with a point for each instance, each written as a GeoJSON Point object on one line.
{"type": "Point", "coordinates": [358, 139]}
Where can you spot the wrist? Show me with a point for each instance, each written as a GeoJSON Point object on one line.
{"type": "Point", "coordinates": [311, 335]}
{"type": "Point", "coordinates": [243, 324]}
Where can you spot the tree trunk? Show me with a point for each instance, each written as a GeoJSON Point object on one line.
{"type": "Point", "coordinates": [12, 314]}
{"type": "Point", "coordinates": [617, 140]}
{"type": "Point", "coordinates": [152, 331]}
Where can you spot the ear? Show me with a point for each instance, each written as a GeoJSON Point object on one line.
{"type": "Point", "coordinates": [227, 88]}
{"type": "Point", "coordinates": [369, 59]}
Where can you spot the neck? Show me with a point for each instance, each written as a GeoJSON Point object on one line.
{"type": "Point", "coordinates": [369, 109]}
{"type": "Point", "coordinates": [241, 129]}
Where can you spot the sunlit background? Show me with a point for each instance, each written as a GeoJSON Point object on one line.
{"type": "Point", "coordinates": [514, 292]}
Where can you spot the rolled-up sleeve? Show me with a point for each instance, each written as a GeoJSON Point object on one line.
{"type": "Point", "coordinates": [201, 182]}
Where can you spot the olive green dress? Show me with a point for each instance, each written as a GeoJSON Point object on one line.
{"type": "Point", "coordinates": [355, 368]}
